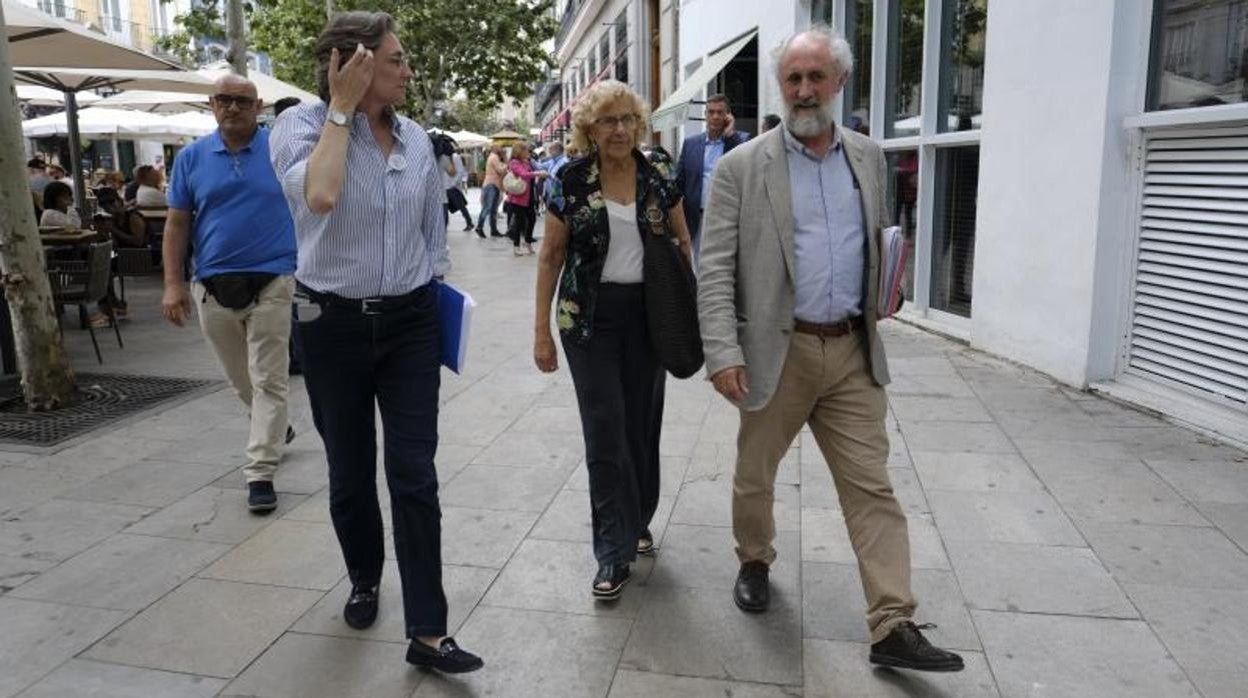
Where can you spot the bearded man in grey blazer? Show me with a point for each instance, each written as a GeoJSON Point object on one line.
{"type": "Point", "coordinates": [788, 297]}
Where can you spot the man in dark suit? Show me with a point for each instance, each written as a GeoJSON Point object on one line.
{"type": "Point", "coordinates": [698, 156]}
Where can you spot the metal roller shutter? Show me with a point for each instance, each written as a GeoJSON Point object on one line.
{"type": "Point", "coordinates": [1189, 324]}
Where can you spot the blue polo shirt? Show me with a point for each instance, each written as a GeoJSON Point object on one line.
{"type": "Point", "coordinates": [240, 218]}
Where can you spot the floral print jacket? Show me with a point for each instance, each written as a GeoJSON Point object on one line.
{"type": "Point", "coordinates": [576, 199]}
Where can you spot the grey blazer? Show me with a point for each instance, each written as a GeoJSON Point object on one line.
{"type": "Point", "coordinates": [746, 291]}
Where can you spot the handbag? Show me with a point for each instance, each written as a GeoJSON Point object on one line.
{"type": "Point", "coordinates": [671, 298]}
{"type": "Point", "coordinates": [455, 200]}
{"type": "Point", "coordinates": [237, 290]}
{"type": "Point", "coordinates": [514, 184]}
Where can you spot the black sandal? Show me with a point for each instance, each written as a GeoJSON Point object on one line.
{"type": "Point", "coordinates": [610, 580]}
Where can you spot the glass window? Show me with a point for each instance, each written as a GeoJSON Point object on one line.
{"type": "Point", "coordinates": [604, 51]}
{"type": "Point", "coordinates": [905, 68]}
{"type": "Point", "coordinates": [593, 64]}
{"type": "Point", "coordinates": [821, 12]}
{"type": "Point", "coordinates": [903, 199]}
{"type": "Point", "coordinates": [858, 21]}
{"type": "Point", "coordinates": [962, 64]}
{"type": "Point", "coordinates": [1199, 53]}
{"type": "Point", "coordinates": [953, 230]}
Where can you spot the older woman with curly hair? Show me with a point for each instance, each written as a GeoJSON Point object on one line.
{"type": "Point", "coordinates": [602, 206]}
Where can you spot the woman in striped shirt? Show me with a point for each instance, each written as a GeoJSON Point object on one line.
{"type": "Point", "coordinates": [366, 195]}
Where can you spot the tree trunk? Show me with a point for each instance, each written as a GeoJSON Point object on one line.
{"type": "Point", "coordinates": [47, 380]}
{"type": "Point", "coordinates": [238, 37]}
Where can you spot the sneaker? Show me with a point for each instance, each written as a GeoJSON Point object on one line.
{"type": "Point", "coordinates": [517, 252]}
{"type": "Point", "coordinates": [906, 648]}
{"type": "Point", "coordinates": [528, 248]}
{"type": "Point", "coordinates": [447, 658]}
{"type": "Point", "coordinates": [290, 433]}
{"type": "Point", "coordinates": [361, 608]}
{"type": "Point", "coordinates": [261, 499]}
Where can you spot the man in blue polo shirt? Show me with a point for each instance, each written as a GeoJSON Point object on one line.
{"type": "Point", "coordinates": [226, 203]}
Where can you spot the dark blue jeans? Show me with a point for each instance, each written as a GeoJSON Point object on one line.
{"type": "Point", "coordinates": [489, 208]}
{"type": "Point", "coordinates": [351, 363]}
{"type": "Point", "coordinates": [619, 389]}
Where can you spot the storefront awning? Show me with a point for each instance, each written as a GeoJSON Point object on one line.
{"type": "Point", "coordinates": [672, 112]}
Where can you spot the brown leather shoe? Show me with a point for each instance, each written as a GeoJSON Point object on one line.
{"type": "Point", "coordinates": [752, 591]}
{"type": "Point", "coordinates": [906, 648]}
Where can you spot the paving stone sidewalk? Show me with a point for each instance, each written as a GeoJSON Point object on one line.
{"type": "Point", "coordinates": [1068, 546]}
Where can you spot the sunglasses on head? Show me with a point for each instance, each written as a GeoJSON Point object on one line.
{"type": "Point", "coordinates": [240, 101]}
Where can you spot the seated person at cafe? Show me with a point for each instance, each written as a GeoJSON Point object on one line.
{"type": "Point", "coordinates": [58, 207]}
{"type": "Point", "coordinates": [127, 228]}
{"type": "Point", "coordinates": [58, 174]}
{"type": "Point", "coordinates": [112, 180]}
{"type": "Point", "coordinates": [149, 192]}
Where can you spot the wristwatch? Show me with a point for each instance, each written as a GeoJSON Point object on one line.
{"type": "Point", "coordinates": [338, 118]}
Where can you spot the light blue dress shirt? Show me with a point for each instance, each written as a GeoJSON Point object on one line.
{"type": "Point", "coordinates": [829, 236]}
{"type": "Point", "coordinates": [386, 235]}
{"type": "Point", "coordinates": [711, 153]}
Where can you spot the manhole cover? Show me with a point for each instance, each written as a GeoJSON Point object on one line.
{"type": "Point", "coordinates": [103, 398]}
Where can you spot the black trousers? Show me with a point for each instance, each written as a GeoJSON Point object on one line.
{"type": "Point", "coordinates": [521, 223]}
{"type": "Point", "coordinates": [352, 363]}
{"type": "Point", "coordinates": [619, 389]}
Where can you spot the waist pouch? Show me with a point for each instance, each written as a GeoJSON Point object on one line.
{"type": "Point", "coordinates": [237, 290]}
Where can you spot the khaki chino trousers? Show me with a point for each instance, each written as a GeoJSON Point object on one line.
{"type": "Point", "coordinates": [252, 346]}
{"type": "Point", "coordinates": [826, 383]}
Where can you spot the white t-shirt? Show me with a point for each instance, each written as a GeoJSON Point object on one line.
{"type": "Point", "coordinates": [625, 252]}
{"type": "Point", "coordinates": [53, 218]}
{"type": "Point", "coordinates": [448, 180]}
{"type": "Point", "coordinates": [461, 172]}
{"type": "Point", "coordinates": [150, 196]}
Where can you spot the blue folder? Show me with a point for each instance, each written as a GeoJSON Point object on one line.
{"type": "Point", "coordinates": [455, 315]}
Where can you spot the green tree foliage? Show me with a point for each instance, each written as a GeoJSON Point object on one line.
{"type": "Point", "coordinates": [489, 50]}
{"type": "Point", "coordinates": [467, 115]}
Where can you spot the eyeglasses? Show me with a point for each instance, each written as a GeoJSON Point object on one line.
{"type": "Point", "coordinates": [609, 123]}
{"type": "Point", "coordinates": [240, 101]}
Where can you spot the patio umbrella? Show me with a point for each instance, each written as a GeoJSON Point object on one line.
{"type": "Point", "coordinates": [156, 102]}
{"type": "Point", "coordinates": [114, 124]}
{"type": "Point", "coordinates": [70, 58]}
{"type": "Point", "coordinates": [46, 97]}
{"type": "Point", "coordinates": [268, 87]}
{"type": "Point", "coordinates": [196, 123]}
{"type": "Point", "coordinates": [506, 135]}
{"type": "Point", "coordinates": [468, 139]}
{"type": "Point", "coordinates": [125, 123]}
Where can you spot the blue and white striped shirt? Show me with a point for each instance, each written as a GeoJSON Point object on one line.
{"type": "Point", "coordinates": [386, 235]}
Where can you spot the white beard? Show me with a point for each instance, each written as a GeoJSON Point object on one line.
{"type": "Point", "coordinates": [810, 123]}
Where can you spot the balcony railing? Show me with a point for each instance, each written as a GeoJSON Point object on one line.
{"type": "Point", "coordinates": [129, 33]}
{"type": "Point", "coordinates": [63, 10]}
{"type": "Point", "coordinates": [546, 93]}
{"type": "Point", "coordinates": [567, 20]}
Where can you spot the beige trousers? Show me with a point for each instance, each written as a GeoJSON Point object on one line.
{"type": "Point", "coordinates": [252, 346]}
{"type": "Point", "coordinates": [826, 383]}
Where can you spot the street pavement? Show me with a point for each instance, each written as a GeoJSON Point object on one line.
{"type": "Point", "coordinates": [1067, 546]}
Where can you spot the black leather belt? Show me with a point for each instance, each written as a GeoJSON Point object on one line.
{"type": "Point", "coordinates": [835, 329]}
{"type": "Point", "coordinates": [376, 305]}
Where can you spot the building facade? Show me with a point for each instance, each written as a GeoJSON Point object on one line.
{"type": "Point", "coordinates": [1073, 175]}
{"type": "Point", "coordinates": [597, 40]}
